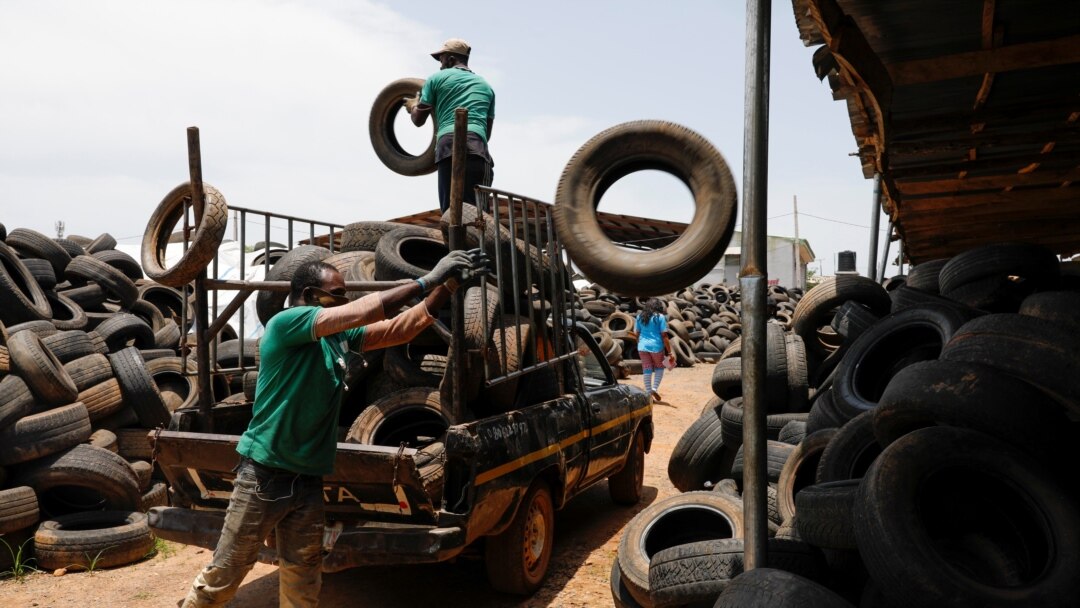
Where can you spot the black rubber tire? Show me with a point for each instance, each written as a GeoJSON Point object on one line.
{"type": "Point", "coordinates": [209, 233]}
{"type": "Point", "coordinates": [851, 451]}
{"type": "Point", "coordinates": [636, 146]}
{"type": "Point", "coordinates": [16, 401]}
{"type": "Point", "coordinates": [798, 384]}
{"type": "Point", "coordinates": [168, 337]}
{"type": "Point", "coordinates": [852, 319]}
{"type": "Point", "coordinates": [696, 573]}
{"type": "Point", "coordinates": [770, 588]}
{"type": "Point", "coordinates": [42, 271]}
{"type": "Point", "coordinates": [145, 311]}
{"type": "Point", "coordinates": [793, 432]}
{"type": "Point", "coordinates": [1057, 306]}
{"type": "Point", "coordinates": [68, 346]}
{"type": "Point", "coordinates": [122, 262]}
{"type": "Point", "coordinates": [364, 236]}
{"type": "Point", "coordinates": [269, 303]}
{"type": "Point", "coordinates": [823, 413]}
{"type": "Point", "coordinates": [676, 520]}
{"type": "Point", "coordinates": [138, 388]}
{"type": "Point", "coordinates": [501, 397]}
{"type": "Point", "coordinates": [1032, 349]}
{"type": "Point", "coordinates": [479, 323]}
{"type": "Point", "coordinates": [169, 301]}
{"type": "Point", "coordinates": [176, 389]}
{"type": "Point", "coordinates": [402, 416]}
{"type": "Point", "coordinates": [826, 513]}
{"type": "Point", "coordinates": [969, 395]}
{"type": "Point", "coordinates": [43, 329]}
{"type": "Point", "coordinates": [103, 242]}
{"type": "Point", "coordinates": [122, 329]}
{"type": "Point", "coordinates": [1035, 266]}
{"type": "Point", "coordinates": [409, 252]}
{"type": "Point", "coordinates": [106, 538]}
{"type": "Point", "coordinates": [157, 495]}
{"type": "Point", "coordinates": [800, 470]}
{"type": "Point", "coordinates": [67, 315]}
{"type": "Point", "coordinates": [936, 489]}
{"type": "Point", "coordinates": [924, 276]}
{"type": "Point", "coordinates": [251, 382]}
{"type": "Point", "coordinates": [21, 298]}
{"type": "Point", "coordinates": [18, 509]}
{"type": "Point", "coordinates": [142, 470]}
{"type": "Point", "coordinates": [39, 435]}
{"type": "Point", "coordinates": [626, 485]}
{"type": "Point", "coordinates": [72, 248]}
{"type": "Point", "coordinates": [731, 414]}
{"type": "Point", "coordinates": [414, 370]}
{"type": "Point", "coordinates": [114, 282]}
{"type": "Point", "coordinates": [776, 454]}
{"type": "Point", "coordinates": [894, 342]}
{"type": "Point", "coordinates": [33, 244]}
{"type": "Point", "coordinates": [228, 353]}
{"type": "Point", "coordinates": [40, 369]}
{"type": "Point", "coordinates": [620, 595]}
{"type": "Point", "coordinates": [700, 455]}
{"type": "Point", "coordinates": [381, 130]}
{"type": "Point", "coordinates": [727, 378]}
{"type": "Point", "coordinates": [508, 567]}
{"type": "Point", "coordinates": [90, 296]}
{"type": "Point", "coordinates": [102, 400]}
{"type": "Point", "coordinates": [816, 308]}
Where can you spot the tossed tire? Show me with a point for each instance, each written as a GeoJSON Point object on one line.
{"type": "Point", "coordinates": [39, 435]}
{"type": "Point", "coordinates": [18, 509]}
{"type": "Point", "coordinates": [104, 539]}
{"type": "Point", "coordinates": [941, 504]}
{"type": "Point", "coordinates": [384, 111]}
{"type": "Point", "coordinates": [696, 573]}
{"type": "Point", "coordinates": [269, 303]}
{"type": "Point", "coordinates": [676, 520]}
{"type": "Point", "coordinates": [517, 559]}
{"type": "Point", "coordinates": [403, 416]}
{"type": "Point", "coordinates": [203, 247]}
{"type": "Point", "coordinates": [42, 371]}
{"type": "Point", "coordinates": [618, 152]}
{"type": "Point", "coordinates": [21, 298]}
{"type": "Point", "coordinates": [771, 588]}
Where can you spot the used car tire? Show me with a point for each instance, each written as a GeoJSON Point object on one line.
{"type": "Point", "coordinates": [138, 388]}
{"type": "Point", "coordinates": [108, 538]}
{"type": "Point", "coordinates": [381, 130]}
{"type": "Point", "coordinates": [21, 298]}
{"type": "Point", "coordinates": [771, 588]}
{"type": "Point", "coordinates": [404, 415]}
{"type": "Point", "coordinates": [203, 247]}
{"type": "Point", "coordinates": [42, 371]}
{"type": "Point", "coordinates": [18, 509]}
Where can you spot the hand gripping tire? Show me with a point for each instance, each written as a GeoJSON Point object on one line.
{"type": "Point", "coordinates": [381, 129]}
{"type": "Point", "coordinates": [208, 235]}
{"type": "Point", "coordinates": [637, 146]}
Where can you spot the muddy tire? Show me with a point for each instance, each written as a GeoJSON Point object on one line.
{"type": "Point", "coordinates": [403, 416]}
{"type": "Point", "coordinates": [517, 559]}
{"type": "Point", "coordinates": [208, 236]}
{"type": "Point", "coordinates": [381, 130]}
{"type": "Point", "coordinates": [67, 315]}
{"type": "Point", "coordinates": [122, 329]}
{"type": "Point", "coordinates": [39, 435]}
{"type": "Point", "coordinates": [112, 538]}
{"type": "Point", "coordinates": [70, 346]}
{"type": "Point", "coordinates": [636, 146]}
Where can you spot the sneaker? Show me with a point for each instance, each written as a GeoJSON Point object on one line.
{"type": "Point", "coordinates": [655, 396]}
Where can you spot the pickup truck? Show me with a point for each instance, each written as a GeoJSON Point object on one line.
{"type": "Point", "coordinates": [493, 483]}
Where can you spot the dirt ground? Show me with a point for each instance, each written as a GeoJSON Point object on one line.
{"type": "Point", "coordinates": [587, 534]}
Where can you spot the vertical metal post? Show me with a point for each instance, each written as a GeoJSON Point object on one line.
{"type": "Point", "coordinates": [753, 278]}
{"type": "Point", "coordinates": [457, 241]}
{"type": "Point", "coordinates": [875, 225]}
{"type": "Point", "coordinates": [797, 279]}
{"type": "Point", "coordinates": [900, 254]}
{"type": "Point", "coordinates": [885, 254]}
{"type": "Point", "coordinates": [202, 319]}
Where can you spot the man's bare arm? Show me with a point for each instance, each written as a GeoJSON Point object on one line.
{"type": "Point", "coordinates": [420, 114]}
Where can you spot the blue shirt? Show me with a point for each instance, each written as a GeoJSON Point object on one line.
{"type": "Point", "coordinates": [650, 335]}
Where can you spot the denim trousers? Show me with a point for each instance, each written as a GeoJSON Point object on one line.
{"type": "Point", "coordinates": [263, 501]}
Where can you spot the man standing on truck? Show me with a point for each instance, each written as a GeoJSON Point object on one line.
{"type": "Point", "coordinates": [292, 438]}
{"type": "Point", "coordinates": [456, 86]}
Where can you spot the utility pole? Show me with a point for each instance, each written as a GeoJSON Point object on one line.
{"type": "Point", "coordinates": [59, 229]}
{"type": "Point", "coordinates": [795, 249]}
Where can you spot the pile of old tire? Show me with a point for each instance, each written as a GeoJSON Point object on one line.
{"type": "Point", "coordinates": [88, 366]}
{"type": "Point", "coordinates": [933, 467]}
{"type": "Point", "coordinates": [703, 321]}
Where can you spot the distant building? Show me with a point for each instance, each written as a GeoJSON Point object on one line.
{"type": "Point", "coordinates": [783, 267]}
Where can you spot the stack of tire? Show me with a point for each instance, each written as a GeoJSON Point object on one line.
{"type": "Point", "coordinates": [703, 321]}
{"type": "Point", "coordinates": [88, 367]}
{"type": "Point", "coordinates": [934, 466]}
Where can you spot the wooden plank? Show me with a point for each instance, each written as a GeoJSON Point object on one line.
{"type": "Point", "coordinates": [1008, 180]}
{"type": "Point", "coordinates": [964, 140]}
{"type": "Point", "coordinates": [1011, 164]}
{"type": "Point", "coordinates": [1008, 58]}
{"type": "Point", "coordinates": [998, 199]}
{"type": "Point", "coordinates": [1043, 110]}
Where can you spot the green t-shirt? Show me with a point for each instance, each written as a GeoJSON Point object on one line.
{"type": "Point", "coordinates": [454, 88]}
{"type": "Point", "coordinates": [298, 397]}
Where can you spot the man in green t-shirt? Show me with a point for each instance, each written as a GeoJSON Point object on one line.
{"type": "Point", "coordinates": [456, 86]}
{"type": "Point", "coordinates": [292, 438]}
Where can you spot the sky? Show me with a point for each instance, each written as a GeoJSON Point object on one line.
{"type": "Point", "coordinates": [95, 99]}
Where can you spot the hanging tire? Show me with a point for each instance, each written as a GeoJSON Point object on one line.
{"type": "Point", "coordinates": [138, 388]}
{"type": "Point", "coordinates": [39, 435]}
{"type": "Point", "coordinates": [42, 371]}
{"type": "Point", "coordinates": [105, 539]}
{"type": "Point", "coordinates": [269, 303]}
{"type": "Point", "coordinates": [676, 520]}
{"type": "Point", "coordinates": [381, 130]}
{"type": "Point", "coordinates": [18, 509]}
{"type": "Point", "coordinates": [636, 146]}
{"type": "Point", "coordinates": [942, 506]}
{"type": "Point", "coordinates": [517, 559]}
{"type": "Point", "coordinates": [201, 250]}
{"type": "Point", "coordinates": [403, 416]}
{"type": "Point", "coordinates": [696, 573]}
{"type": "Point", "coordinates": [1034, 350]}
{"type": "Point", "coordinates": [21, 298]}
{"type": "Point", "coordinates": [770, 588]}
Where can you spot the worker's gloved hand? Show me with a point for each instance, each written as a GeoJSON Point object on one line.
{"type": "Point", "coordinates": [478, 267]}
{"type": "Point", "coordinates": [411, 103]}
{"type": "Point", "coordinates": [451, 266]}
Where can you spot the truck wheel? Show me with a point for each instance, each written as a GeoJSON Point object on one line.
{"type": "Point", "coordinates": [625, 486]}
{"type": "Point", "coordinates": [517, 560]}
{"type": "Point", "coordinates": [618, 152]}
{"type": "Point", "coordinates": [381, 129]}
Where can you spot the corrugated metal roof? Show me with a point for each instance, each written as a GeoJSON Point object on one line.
{"type": "Point", "coordinates": [970, 109]}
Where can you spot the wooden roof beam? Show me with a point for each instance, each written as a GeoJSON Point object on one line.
{"type": "Point", "coordinates": [1008, 58]}
{"type": "Point", "coordinates": [990, 182]}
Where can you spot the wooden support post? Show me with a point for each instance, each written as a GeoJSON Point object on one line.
{"type": "Point", "coordinates": [202, 315]}
{"type": "Point", "coordinates": [456, 239]}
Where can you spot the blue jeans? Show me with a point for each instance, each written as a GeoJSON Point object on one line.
{"type": "Point", "coordinates": [263, 500]}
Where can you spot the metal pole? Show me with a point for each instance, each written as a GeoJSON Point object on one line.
{"type": "Point", "coordinates": [797, 279]}
{"type": "Point", "coordinates": [457, 241]}
{"type": "Point", "coordinates": [900, 254]}
{"type": "Point", "coordinates": [875, 224]}
{"type": "Point", "coordinates": [202, 316]}
{"type": "Point", "coordinates": [885, 254]}
{"type": "Point", "coordinates": [753, 279]}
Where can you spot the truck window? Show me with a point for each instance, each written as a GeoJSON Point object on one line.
{"type": "Point", "coordinates": [592, 371]}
